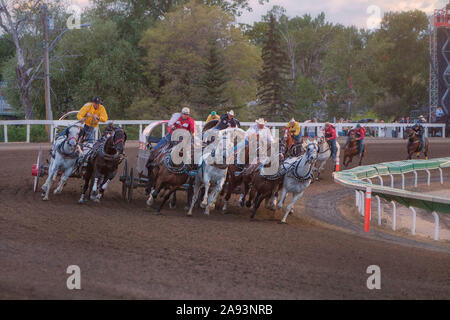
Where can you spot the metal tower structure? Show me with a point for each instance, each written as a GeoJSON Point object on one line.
{"type": "Point", "coordinates": [439, 89]}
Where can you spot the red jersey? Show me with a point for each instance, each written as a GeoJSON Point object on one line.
{"type": "Point", "coordinates": [361, 132]}
{"type": "Point", "coordinates": [188, 124]}
{"type": "Point", "coordinates": [330, 133]}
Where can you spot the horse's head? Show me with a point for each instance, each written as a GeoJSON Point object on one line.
{"type": "Point", "coordinates": [109, 130]}
{"type": "Point", "coordinates": [311, 151]}
{"type": "Point", "coordinates": [73, 135]}
{"type": "Point", "coordinates": [118, 139]}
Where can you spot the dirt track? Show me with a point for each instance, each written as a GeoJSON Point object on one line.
{"type": "Point", "coordinates": [125, 251]}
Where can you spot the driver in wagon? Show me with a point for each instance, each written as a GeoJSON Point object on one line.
{"type": "Point", "coordinates": [91, 114]}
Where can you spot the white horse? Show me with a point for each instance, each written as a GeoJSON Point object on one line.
{"type": "Point", "coordinates": [65, 153]}
{"type": "Point", "coordinates": [324, 154]}
{"type": "Point", "coordinates": [298, 176]}
{"type": "Point", "coordinates": [212, 171]}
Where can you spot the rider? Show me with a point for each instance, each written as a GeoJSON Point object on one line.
{"type": "Point", "coordinates": [360, 134]}
{"type": "Point", "coordinates": [91, 114]}
{"type": "Point", "coordinates": [259, 128]}
{"type": "Point", "coordinates": [228, 121]}
{"type": "Point", "coordinates": [212, 116]}
{"type": "Point", "coordinates": [294, 128]}
{"type": "Point", "coordinates": [185, 121]}
{"type": "Point", "coordinates": [420, 131]}
{"type": "Point", "coordinates": [330, 137]}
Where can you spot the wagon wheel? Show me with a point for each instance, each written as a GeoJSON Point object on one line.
{"type": "Point", "coordinates": [131, 185]}
{"type": "Point", "coordinates": [37, 167]}
{"type": "Point", "coordinates": [124, 179]}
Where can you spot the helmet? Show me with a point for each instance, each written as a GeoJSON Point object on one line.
{"type": "Point", "coordinates": [358, 125]}
{"type": "Point", "coordinates": [185, 110]}
{"type": "Point", "coordinates": [213, 113]}
{"type": "Point", "coordinates": [97, 100]}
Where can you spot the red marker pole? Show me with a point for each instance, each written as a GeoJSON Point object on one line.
{"type": "Point", "coordinates": [367, 207]}
{"type": "Point", "coordinates": [337, 164]}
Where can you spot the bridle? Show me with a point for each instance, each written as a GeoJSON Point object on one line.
{"type": "Point", "coordinates": [307, 154]}
{"type": "Point", "coordinates": [75, 153]}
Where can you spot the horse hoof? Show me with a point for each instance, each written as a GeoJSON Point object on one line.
{"type": "Point", "coordinates": [45, 199]}
{"type": "Point", "coordinates": [172, 206]}
{"type": "Point", "coordinates": [202, 205]}
{"type": "Point", "coordinates": [186, 208]}
{"type": "Point", "coordinates": [80, 201]}
{"type": "Point", "coordinates": [281, 222]}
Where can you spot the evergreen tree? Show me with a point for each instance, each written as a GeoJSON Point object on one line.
{"type": "Point", "coordinates": [214, 81]}
{"type": "Point", "coordinates": [275, 92]}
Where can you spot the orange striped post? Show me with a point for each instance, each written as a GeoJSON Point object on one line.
{"type": "Point", "coordinates": [337, 164]}
{"type": "Point", "coordinates": [367, 207]}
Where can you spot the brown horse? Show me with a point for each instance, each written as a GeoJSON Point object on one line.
{"type": "Point", "coordinates": [264, 187]}
{"type": "Point", "coordinates": [288, 145]}
{"type": "Point", "coordinates": [351, 149]}
{"type": "Point", "coordinates": [103, 162]}
{"type": "Point", "coordinates": [415, 145]}
{"type": "Point", "coordinates": [167, 176]}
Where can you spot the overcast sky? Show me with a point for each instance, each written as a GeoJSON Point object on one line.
{"type": "Point", "coordinates": [346, 12]}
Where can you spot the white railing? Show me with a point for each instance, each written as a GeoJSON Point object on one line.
{"type": "Point", "coordinates": [400, 127]}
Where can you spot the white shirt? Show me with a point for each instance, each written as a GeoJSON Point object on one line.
{"type": "Point", "coordinates": [264, 133]}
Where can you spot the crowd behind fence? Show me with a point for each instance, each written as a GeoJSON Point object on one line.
{"type": "Point", "coordinates": [379, 130]}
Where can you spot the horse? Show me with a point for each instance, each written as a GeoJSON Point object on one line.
{"type": "Point", "coordinates": [65, 155]}
{"type": "Point", "coordinates": [415, 145]}
{"type": "Point", "coordinates": [324, 154]}
{"type": "Point", "coordinates": [288, 146]}
{"type": "Point", "coordinates": [213, 173]}
{"type": "Point", "coordinates": [351, 149]}
{"type": "Point", "coordinates": [265, 186]}
{"type": "Point", "coordinates": [103, 162]}
{"type": "Point", "coordinates": [298, 176]}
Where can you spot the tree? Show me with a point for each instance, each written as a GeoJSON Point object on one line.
{"type": "Point", "coordinates": [14, 17]}
{"type": "Point", "coordinates": [214, 81]}
{"type": "Point", "coordinates": [274, 86]}
{"type": "Point", "coordinates": [177, 50]}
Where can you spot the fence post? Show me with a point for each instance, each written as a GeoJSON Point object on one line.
{"type": "Point", "coordinates": [394, 215]}
{"type": "Point", "coordinates": [436, 226]}
{"type": "Point", "coordinates": [362, 204]}
{"type": "Point", "coordinates": [392, 180]}
{"type": "Point", "coordinates": [443, 131]}
{"type": "Point", "coordinates": [5, 133]}
{"type": "Point", "coordinates": [442, 178]}
{"type": "Point", "coordinates": [28, 133]}
{"type": "Point", "coordinates": [415, 178]}
{"type": "Point", "coordinates": [163, 130]}
{"type": "Point", "coordinates": [381, 180]}
{"type": "Point", "coordinates": [379, 209]}
{"type": "Point", "coordinates": [429, 177]}
{"type": "Point", "coordinates": [413, 225]}
{"type": "Point", "coordinates": [367, 207]}
{"type": "Point", "coordinates": [51, 133]}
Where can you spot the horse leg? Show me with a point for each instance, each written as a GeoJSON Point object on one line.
{"type": "Point", "coordinates": [252, 193]}
{"type": "Point", "coordinates": [87, 178]}
{"type": "Point", "coordinates": [291, 206]}
{"type": "Point", "coordinates": [283, 196]}
{"type": "Point", "coordinates": [63, 180]}
{"type": "Point", "coordinates": [173, 203]}
{"type": "Point", "coordinates": [204, 203]}
{"type": "Point", "coordinates": [259, 198]}
{"type": "Point", "coordinates": [217, 192]}
{"type": "Point", "coordinates": [166, 197]}
{"type": "Point", "coordinates": [196, 191]}
{"type": "Point", "coordinates": [52, 172]}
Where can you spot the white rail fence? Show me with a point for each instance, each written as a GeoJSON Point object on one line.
{"type": "Point", "coordinates": [383, 128]}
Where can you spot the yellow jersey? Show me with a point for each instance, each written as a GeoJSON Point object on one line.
{"type": "Point", "coordinates": [89, 108]}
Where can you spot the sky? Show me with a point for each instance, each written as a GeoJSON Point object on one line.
{"type": "Point", "coordinates": [362, 13]}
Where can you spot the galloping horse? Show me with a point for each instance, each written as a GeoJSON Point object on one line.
{"type": "Point", "coordinates": [265, 186]}
{"type": "Point", "coordinates": [103, 162]}
{"type": "Point", "coordinates": [65, 154]}
{"type": "Point", "coordinates": [351, 149]}
{"type": "Point", "coordinates": [324, 154]}
{"type": "Point", "coordinates": [415, 145]}
{"type": "Point", "coordinates": [288, 146]}
{"type": "Point", "coordinates": [213, 172]}
{"type": "Point", "coordinates": [298, 176]}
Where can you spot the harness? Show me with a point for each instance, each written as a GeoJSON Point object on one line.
{"type": "Point", "coordinates": [72, 155]}
{"type": "Point", "coordinates": [171, 167]}
{"type": "Point", "coordinates": [309, 175]}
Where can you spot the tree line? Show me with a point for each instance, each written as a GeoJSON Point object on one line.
{"type": "Point", "coordinates": [147, 59]}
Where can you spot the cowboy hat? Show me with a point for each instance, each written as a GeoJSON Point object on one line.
{"type": "Point", "coordinates": [185, 110]}
{"type": "Point", "coordinates": [292, 120]}
{"type": "Point", "coordinates": [231, 113]}
{"type": "Point", "coordinates": [260, 121]}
